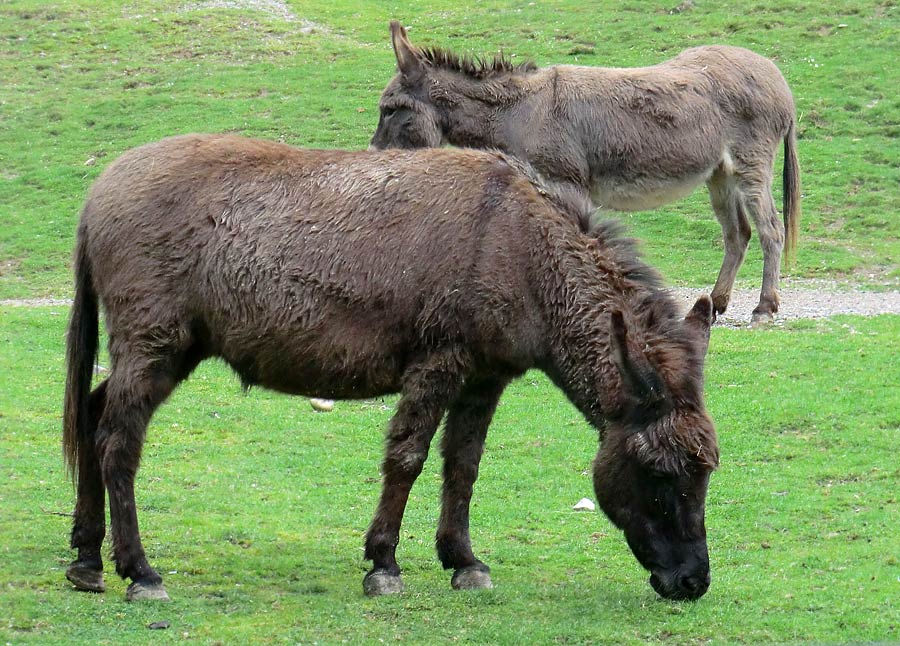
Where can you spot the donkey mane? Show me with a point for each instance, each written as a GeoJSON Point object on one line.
{"type": "Point", "coordinates": [654, 313]}
{"type": "Point", "coordinates": [655, 322]}
{"type": "Point", "coordinates": [625, 253]}
{"type": "Point", "coordinates": [653, 307]}
{"type": "Point", "coordinates": [617, 247]}
{"type": "Point", "coordinates": [476, 67]}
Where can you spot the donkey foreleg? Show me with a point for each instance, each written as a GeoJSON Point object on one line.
{"type": "Point", "coordinates": [729, 212]}
{"type": "Point", "coordinates": [427, 390]}
{"type": "Point", "coordinates": [462, 447]}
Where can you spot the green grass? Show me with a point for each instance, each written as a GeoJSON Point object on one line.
{"type": "Point", "coordinates": [85, 80]}
{"type": "Point", "coordinates": [254, 507]}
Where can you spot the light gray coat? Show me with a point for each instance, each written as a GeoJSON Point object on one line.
{"type": "Point", "coordinates": [634, 138]}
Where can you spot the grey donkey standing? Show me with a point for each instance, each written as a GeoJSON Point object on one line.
{"type": "Point", "coordinates": [635, 138]}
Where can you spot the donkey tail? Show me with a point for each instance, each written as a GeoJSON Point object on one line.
{"type": "Point", "coordinates": [81, 352]}
{"type": "Point", "coordinates": [791, 205]}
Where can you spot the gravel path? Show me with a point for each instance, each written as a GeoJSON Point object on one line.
{"type": "Point", "coordinates": [804, 300]}
{"type": "Point", "coordinates": [799, 300]}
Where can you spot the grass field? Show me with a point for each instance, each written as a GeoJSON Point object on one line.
{"type": "Point", "coordinates": [253, 507]}
{"type": "Point", "coordinates": [85, 80]}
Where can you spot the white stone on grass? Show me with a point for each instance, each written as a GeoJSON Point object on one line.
{"type": "Point", "coordinates": [585, 504]}
{"type": "Point", "coordinates": [321, 405]}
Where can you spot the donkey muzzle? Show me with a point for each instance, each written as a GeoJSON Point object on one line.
{"type": "Point", "coordinates": [680, 584]}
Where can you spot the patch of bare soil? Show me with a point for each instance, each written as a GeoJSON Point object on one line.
{"type": "Point", "coordinates": [274, 8]}
{"type": "Point", "coordinates": [271, 7]}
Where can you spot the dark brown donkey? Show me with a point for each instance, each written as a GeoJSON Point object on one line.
{"type": "Point", "coordinates": [439, 274]}
{"type": "Point", "coordinates": [635, 138]}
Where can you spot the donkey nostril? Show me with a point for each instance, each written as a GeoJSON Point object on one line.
{"type": "Point", "coordinates": [694, 584]}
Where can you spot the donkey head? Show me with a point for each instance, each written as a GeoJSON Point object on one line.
{"type": "Point", "coordinates": [409, 119]}
{"type": "Point", "coordinates": [652, 470]}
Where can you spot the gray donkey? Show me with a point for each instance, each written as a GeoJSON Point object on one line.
{"type": "Point", "coordinates": [635, 138]}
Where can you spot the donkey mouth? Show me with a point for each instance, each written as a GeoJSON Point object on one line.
{"type": "Point", "coordinates": [678, 587]}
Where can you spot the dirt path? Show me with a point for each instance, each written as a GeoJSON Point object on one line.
{"type": "Point", "coordinates": [802, 301]}
{"type": "Point", "coordinates": [36, 302]}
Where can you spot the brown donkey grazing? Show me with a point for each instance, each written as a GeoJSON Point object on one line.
{"type": "Point", "coordinates": [440, 274]}
{"type": "Point", "coordinates": [634, 138]}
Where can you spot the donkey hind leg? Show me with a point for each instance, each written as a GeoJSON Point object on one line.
{"type": "Point", "coordinates": [89, 523]}
{"type": "Point", "coordinates": [757, 201]}
{"type": "Point", "coordinates": [137, 386]}
{"type": "Point", "coordinates": [427, 390]}
{"type": "Point", "coordinates": [462, 446]}
{"type": "Point", "coordinates": [726, 203]}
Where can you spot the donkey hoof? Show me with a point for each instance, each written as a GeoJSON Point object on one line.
{"type": "Point", "coordinates": [379, 582]}
{"type": "Point", "coordinates": [761, 318]}
{"type": "Point", "coordinates": [86, 578]}
{"type": "Point", "coordinates": [720, 304]}
{"type": "Point", "coordinates": [473, 577]}
{"type": "Point", "coordinates": [146, 592]}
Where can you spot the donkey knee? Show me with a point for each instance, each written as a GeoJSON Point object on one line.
{"type": "Point", "coordinates": [772, 245]}
{"type": "Point", "coordinates": [412, 461]}
{"type": "Point", "coordinates": [404, 463]}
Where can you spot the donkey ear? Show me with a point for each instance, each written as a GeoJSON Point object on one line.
{"type": "Point", "coordinates": [700, 318]}
{"type": "Point", "coordinates": [408, 58]}
{"type": "Point", "coordinates": [639, 381]}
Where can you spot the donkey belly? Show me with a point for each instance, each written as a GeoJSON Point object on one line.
{"type": "Point", "coordinates": [335, 356]}
{"type": "Point", "coordinates": [647, 193]}
{"type": "Point", "coordinates": [329, 370]}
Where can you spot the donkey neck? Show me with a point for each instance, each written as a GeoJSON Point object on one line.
{"type": "Point", "coordinates": [473, 111]}
{"type": "Point", "coordinates": [584, 280]}
{"type": "Point", "coordinates": [506, 112]}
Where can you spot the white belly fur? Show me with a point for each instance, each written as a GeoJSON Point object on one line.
{"type": "Point", "coordinates": [650, 194]}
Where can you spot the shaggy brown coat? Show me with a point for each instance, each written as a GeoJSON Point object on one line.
{"type": "Point", "coordinates": [440, 274]}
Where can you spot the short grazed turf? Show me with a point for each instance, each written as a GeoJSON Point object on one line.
{"type": "Point", "coordinates": [84, 81]}
{"type": "Point", "coordinates": [253, 507]}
